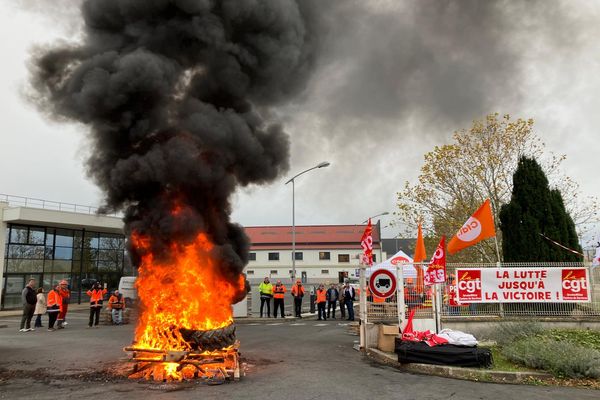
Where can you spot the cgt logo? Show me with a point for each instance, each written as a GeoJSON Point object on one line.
{"type": "Point", "coordinates": [574, 284]}
{"type": "Point", "coordinates": [469, 285]}
{"type": "Point", "coordinates": [470, 230]}
{"type": "Point", "coordinates": [399, 259]}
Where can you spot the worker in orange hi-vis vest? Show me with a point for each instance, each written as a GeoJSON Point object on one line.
{"type": "Point", "coordinates": [65, 295]}
{"type": "Point", "coordinates": [298, 293]}
{"type": "Point", "coordinates": [116, 305]}
{"type": "Point", "coordinates": [478, 227]}
{"type": "Point", "coordinates": [278, 296]}
{"type": "Point", "coordinates": [53, 306]}
{"type": "Point", "coordinates": [96, 298]}
{"type": "Point", "coordinates": [321, 301]}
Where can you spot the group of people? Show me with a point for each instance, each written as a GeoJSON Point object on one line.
{"type": "Point", "coordinates": [329, 298]}
{"type": "Point", "coordinates": [345, 296]}
{"type": "Point", "coordinates": [35, 303]}
{"type": "Point", "coordinates": [56, 305]}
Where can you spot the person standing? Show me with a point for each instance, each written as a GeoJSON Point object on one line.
{"type": "Point", "coordinates": [349, 297]}
{"type": "Point", "coordinates": [116, 305]}
{"type": "Point", "coordinates": [40, 307]}
{"type": "Point", "coordinates": [29, 298]}
{"type": "Point", "coordinates": [96, 298]}
{"type": "Point", "coordinates": [65, 295]}
{"type": "Point", "coordinates": [54, 302]}
{"type": "Point", "coordinates": [266, 292]}
{"type": "Point", "coordinates": [342, 302]}
{"type": "Point", "coordinates": [332, 299]}
{"type": "Point", "coordinates": [278, 296]}
{"type": "Point", "coordinates": [298, 294]}
{"type": "Point", "coordinates": [321, 301]}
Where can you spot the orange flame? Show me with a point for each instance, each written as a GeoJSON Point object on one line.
{"type": "Point", "coordinates": [186, 293]}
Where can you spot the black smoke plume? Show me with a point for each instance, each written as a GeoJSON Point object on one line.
{"type": "Point", "coordinates": [170, 90]}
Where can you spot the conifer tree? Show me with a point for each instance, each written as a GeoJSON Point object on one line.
{"type": "Point", "coordinates": [535, 209]}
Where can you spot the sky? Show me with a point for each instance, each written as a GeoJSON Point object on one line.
{"type": "Point", "coordinates": [391, 80]}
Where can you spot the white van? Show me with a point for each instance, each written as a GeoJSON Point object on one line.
{"type": "Point", "coordinates": [127, 287]}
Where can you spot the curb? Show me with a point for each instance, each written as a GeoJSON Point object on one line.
{"type": "Point", "coordinates": [253, 320]}
{"type": "Point", "coordinates": [469, 374]}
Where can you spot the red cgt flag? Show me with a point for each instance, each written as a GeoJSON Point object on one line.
{"type": "Point", "coordinates": [367, 244]}
{"type": "Point", "coordinates": [436, 271]}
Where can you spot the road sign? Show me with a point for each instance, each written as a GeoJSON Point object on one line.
{"type": "Point", "coordinates": [382, 283]}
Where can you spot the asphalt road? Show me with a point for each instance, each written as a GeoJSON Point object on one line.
{"type": "Point", "coordinates": [305, 359]}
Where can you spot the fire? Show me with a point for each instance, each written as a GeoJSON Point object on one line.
{"type": "Point", "coordinates": [187, 293]}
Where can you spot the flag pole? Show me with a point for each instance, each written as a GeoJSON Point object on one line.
{"type": "Point", "coordinates": [497, 250]}
{"type": "Point", "coordinates": [400, 301]}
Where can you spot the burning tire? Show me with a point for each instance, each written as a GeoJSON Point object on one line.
{"type": "Point", "coordinates": [215, 339]}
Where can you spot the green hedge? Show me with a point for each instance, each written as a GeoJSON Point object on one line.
{"type": "Point", "coordinates": [562, 358]}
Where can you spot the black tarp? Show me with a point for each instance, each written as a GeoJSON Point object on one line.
{"type": "Point", "coordinates": [448, 354]}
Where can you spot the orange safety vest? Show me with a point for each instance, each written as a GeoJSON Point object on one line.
{"type": "Point", "coordinates": [96, 297]}
{"type": "Point", "coordinates": [116, 303]}
{"type": "Point", "coordinates": [321, 296]}
{"type": "Point", "coordinates": [297, 290]}
{"type": "Point", "coordinates": [54, 299]}
{"type": "Point", "coordinates": [278, 291]}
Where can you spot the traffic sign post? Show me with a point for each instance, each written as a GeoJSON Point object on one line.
{"type": "Point", "coordinates": [382, 283]}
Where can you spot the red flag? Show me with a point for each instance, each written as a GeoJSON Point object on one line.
{"type": "Point", "coordinates": [419, 257]}
{"type": "Point", "coordinates": [436, 271]}
{"type": "Point", "coordinates": [478, 227]}
{"type": "Point", "coordinates": [367, 244]}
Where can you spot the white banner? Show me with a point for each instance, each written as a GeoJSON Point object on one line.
{"type": "Point", "coordinates": [523, 285]}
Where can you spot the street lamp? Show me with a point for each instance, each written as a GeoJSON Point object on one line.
{"type": "Point", "coordinates": [292, 179]}
{"type": "Point", "coordinates": [374, 216]}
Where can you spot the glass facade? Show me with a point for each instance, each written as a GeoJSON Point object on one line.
{"type": "Point", "coordinates": [50, 255]}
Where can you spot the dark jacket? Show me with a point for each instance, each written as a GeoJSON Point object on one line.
{"type": "Point", "coordinates": [349, 294]}
{"type": "Point", "coordinates": [333, 294]}
{"type": "Point", "coordinates": [29, 296]}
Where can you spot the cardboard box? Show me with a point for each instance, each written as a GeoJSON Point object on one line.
{"type": "Point", "coordinates": [387, 334]}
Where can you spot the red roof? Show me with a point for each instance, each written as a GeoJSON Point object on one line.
{"type": "Point", "coordinates": [309, 237]}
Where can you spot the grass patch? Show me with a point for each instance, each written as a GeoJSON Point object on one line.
{"type": "Point", "coordinates": [501, 363]}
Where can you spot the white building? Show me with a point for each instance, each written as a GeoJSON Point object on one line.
{"type": "Point", "coordinates": [51, 241]}
{"type": "Point", "coordinates": [324, 253]}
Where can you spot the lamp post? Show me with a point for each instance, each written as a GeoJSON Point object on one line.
{"type": "Point", "coordinates": [292, 179]}
{"type": "Point", "coordinates": [374, 216]}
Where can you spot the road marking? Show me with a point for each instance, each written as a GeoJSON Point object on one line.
{"type": "Point", "coordinates": [275, 324]}
{"type": "Point", "coordinates": [298, 324]}
{"type": "Point", "coordinates": [254, 324]}
{"type": "Point", "coordinates": [320, 324]}
{"type": "Point", "coordinates": [340, 324]}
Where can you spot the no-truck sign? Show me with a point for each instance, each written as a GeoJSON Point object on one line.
{"type": "Point", "coordinates": [382, 283]}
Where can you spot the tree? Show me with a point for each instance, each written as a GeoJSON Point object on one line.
{"type": "Point", "coordinates": [456, 178]}
{"type": "Point", "coordinates": [535, 209]}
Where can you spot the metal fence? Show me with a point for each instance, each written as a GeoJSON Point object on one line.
{"type": "Point", "coordinates": [421, 301]}
{"type": "Point", "coordinates": [20, 201]}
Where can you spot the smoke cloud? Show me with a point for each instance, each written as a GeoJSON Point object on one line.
{"type": "Point", "coordinates": [170, 90]}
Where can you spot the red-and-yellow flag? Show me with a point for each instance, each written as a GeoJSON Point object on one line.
{"type": "Point", "coordinates": [419, 257]}
{"type": "Point", "coordinates": [478, 227]}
